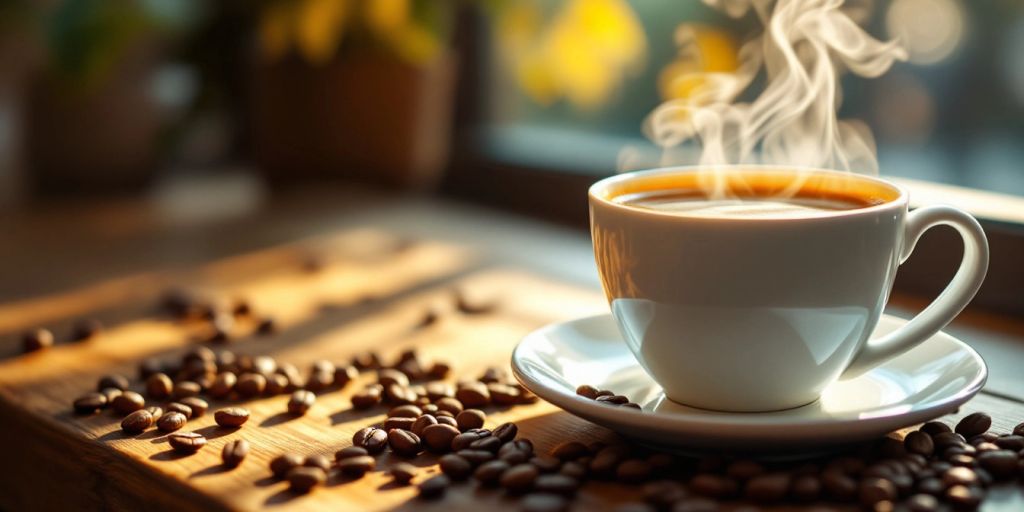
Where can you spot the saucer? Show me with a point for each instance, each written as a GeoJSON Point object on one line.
{"type": "Point", "coordinates": [928, 381]}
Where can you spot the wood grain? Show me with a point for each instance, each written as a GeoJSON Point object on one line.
{"type": "Point", "coordinates": [368, 296]}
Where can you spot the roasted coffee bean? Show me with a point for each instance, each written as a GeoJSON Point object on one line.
{"type": "Point", "coordinates": [986, 437]}
{"type": "Point", "coordinates": [874, 490]}
{"type": "Point", "coordinates": [959, 476]}
{"type": "Point", "coordinates": [266, 325]}
{"type": "Point", "coordinates": [476, 457]}
{"type": "Point", "coordinates": [1010, 442]}
{"type": "Point", "coordinates": [303, 479]}
{"type": "Point", "coordinates": [1001, 464]}
{"type": "Point", "coordinates": [404, 442]}
{"type": "Point", "coordinates": [575, 469]}
{"type": "Point", "coordinates": [438, 390]}
{"type": "Point", "coordinates": [371, 438]}
{"type": "Point", "coordinates": [343, 374]}
{"type": "Point", "coordinates": [150, 366]}
{"type": "Point", "coordinates": [922, 503]}
{"type": "Point", "coordinates": [806, 488]}
{"type": "Point", "coordinates": [113, 381]}
{"type": "Point", "coordinates": [402, 473]}
{"type": "Point", "coordinates": [180, 408]}
{"type": "Point", "coordinates": [172, 421]}
{"type": "Point", "coordinates": [231, 416]}
{"type": "Point", "coordinates": [300, 402]}
{"type": "Point", "coordinates": [570, 450]}
{"type": "Point", "coordinates": [422, 423]}
{"type": "Point", "coordinates": [920, 443]}
{"type": "Point", "coordinates": [946, 440]}
{"type": "Point", "coordinates": [319, 381]}
{"type": "Point", "coordinates": [111, 394]}
{"type": "Point", "coordinates": [518, 445]}
{"type": "Point", "coordinates": [450, 405]}
{"type": "Point", "coordinates": [234, 452]}
{"type": "Point", "coordinates": [396, 394]}
{"type": "Point", "coordinates": [505, 432]}
{"type": "Point", "coordinates": [931, 486]}
{"type": "Point", "coordinates": [137, 422]}
{"type": "Point", "coordinates": [127, 402]}
{"type": "Point", "coordinates": [474, 395]}
{"type": "Point", "coordinates": [470, 418]}
{"type": "Point", "coordinates": [36, 339]}
{"type": "Point", "coordinates": [351, 451]}
{"type": "Point", "coordinates": [587, 391]}
{"type": "Point", "coordinates": [439, 438]}
{"type": "Point", "coordinates": [90, 403]}
{"type": "Point", "coordinates": [222, 385]}
{"type": "Point", "coordinates": [964, 497]}
{"type": "Point", "coordinates": [185, 389]}
{"type": "Point", "coordinates": [545, 463]}
{"type": "Point", "coordinates": [1019, 430]}
{"type": "Point", "coordinates": [366, 361]}
{"type": "Point", "coordinates": [974, 424]}
{"type": "Point", "coordinates": [612, 399]}
{"type": "Point", "coordinates": [399, 423]}
{"type": "Point", "coordinates": [455, 466]}
{"type": "Point", "coordinates": [434, 487]}
{"type": "Point", "coordinates": [744, 469]}
{"type": "Point", "coordinates": [317, 460]}
{"type": "Point", "coordinates": [196, 404]}
{"type": "Point", "coordinates": [444, 418]}
{"type": "Point", "coordinates": [488, 473]}
{"type": "Point", "coordinates": [556, 483]}
{"type": "Point", "coordinates": [633, 470]}
{"type": "Point", "coordinates": [438, 371]}
{"type": "Point", "coordinates": [767, 488]}
{"type": "Point", "coordinates": [367, 398]}
{"type": "Point", "coordinates": [405, 411]}
{"type": "Point", "coordinates": [250, 385]}
{"type": "Point", "coordinates": [839, 484]}
{"type": "Point", "coordinates": [502, 394]}
{"type": "Point", "coordinates": [663, 493]}
{"type": "Point", "coordinates": [607, 459]}
{"type": "Point", "coordinates": [934, 428]}
{"type": "Point", "coordinates": [282, 464]}
{"type": "Point", "coordinates": [465, 439]}
{"type": "Point", "coordinates": [388, 377]}
{"type": "Point", "coordinates": [276, 385]}
{"type": "Point", "coordinates": [519, 479]}
{"type": "Point", "coordinates": [159, 386]}
{"type": "Point", "coordinates": [186, 442]}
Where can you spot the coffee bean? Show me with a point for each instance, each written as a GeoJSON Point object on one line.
{"type": "Point", "coordinates": [86, 329]}
{"type": "Point", "coordinates": [488, 443]}
{"type": "Point", "coordinates": [36, 339]}
{"type": "Point", "coordinates": [185, 389]}
{"type": "Point", "coordinates": [946, 440]}
{"type": "Point", "coordinates": [607, 460]}
{"type": "Point", "coordinates": [159, 386]}
{"type": "Point", "coordinates": [556, 483]}
{"type": "Point", "coordinates": [476, 457]}
{"type": "Point", "coordinates": [300, 402]}
{"type": "Point", "coordinates": [1010, 442]}
{"type": "Point", "coordinates": [518, 445]}
{"type": "Point", "coordinates": [250, 385]}
{"type": "Point", "coordinates": [196, 404]}
{"type": "Point", "coordinates": [367, 398]}
{"type": "Point", "coordinates": [544, 502]}
{"type": "Point", "coordinates": [874, 490]}
{"type": "Point", "coordinates": [451, 405]}
{"type": "Point", "coordinates": [545, 463]}
{"type": "Point", "coordinates": [303, 479]}
{"type": "Point", "coordinates": [397, 394]}
{"type": "Point", "coordinates": [90, 403]}
{"type": "Point", "coordinates": [434, 487]}
{"type": "Point", "coordinates": [587, 391]}
{"type": "Point", "coordinates": [317, 460]}
{"type": "Point", "coordinates": [319, 381]}
{"type": "Point", "coordinates": [488, 473]}
{"type": "Point", "coordinates": [465, 439]}
{"type": "Point", "coordinates": [922, 503]}
{"type": "Point", "coordinates": [696, 505]}
{"type": "Point", "coordinates": [839, 484]}
{"type": "Point", "coordinates": [744, 469]}
{"type": "Point", "coordinates": [920, 443]}
{"type": "Point", "coordinates": [974, 424]}
{"type": "Point", "coordinates": [1001, 463]}
{"type": "Point", "coordinates": [474, 394]}
{"type": "Point", "coordinates": [470, 418]}
{"type": "Point", "coordinates": [438, 438]}
{"type": "Point", "coordinates": [222, 385]}
{"type": "Point", "coordinates": [127, 402]}
{"type": "Point", "coordinates": [502, 394]}
{"type": "Point", "coordinates": [180, 408]}
{"type": "Point", "coordinates": [931, 486]}
{"type": "Point", "coordinates": [633, 470]}
{"type": "Point", "coordinates": [1019, 429]}
{"type": "Point", "coordinates": [959, 476]}
{"type": "Point", "coordinates": [933, 428]}
{"type": "Point", "coordinates": [455, 466]}
{"type": "Point", "coordinates": [113, 381]}
{"type": "Point", "coordinates": [964, 497]}
{"type": "Point", "coordinates": [234, 452]}
{"type": "Point", "coordinates": [137, 422]}
{"type": "Point", "coordinates": [663, 494]}
{"type": "Point", "coordinates": [171, 421]}
{"type": "Point", "coordinates": [806, 488]}
{"type": "Point", "coordinates": [505, 432]}
{"type": "Point", "coordinates": [405, 411]}
{"type": "Point", "coordinates": [231, 416]}
{"type": "Point", "coordinates": [519, 479]}
{"type": "Point", "coordinates": [277, 384]}
{"type": "Point", "coordinates": [447, 420]}
{"type": "Point", "coordinates": [282, 464]}
{"type": "Point", "coordinates": [266, 325]}
{"type": "Point", "coordinates": [402, 472]}
{"type": "Point", "coordinates": [399, 423]}
{"type": "Point", "coordinates": [570, 450]}
{"type": "Point", "coordinates": [612, 399]}
{"type": "Point", "coordinates": [186, 442]}
{"type": "Point", "coordinates": [388, 376]}
{"type": "Point", "coordinates": [423, 422]}
{"type": "Point", "coordinates": [404, 442]}
{"type": "Point", "coordinates": [373, 439]}
{"type": "Point", "coordinates": [767, 487]}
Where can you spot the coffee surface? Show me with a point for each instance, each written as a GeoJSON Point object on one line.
{"type": "Point", "coordinates": [689, 204]}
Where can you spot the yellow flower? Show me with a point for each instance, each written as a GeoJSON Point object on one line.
{"type": "Point", "coordinates": [321, 24]}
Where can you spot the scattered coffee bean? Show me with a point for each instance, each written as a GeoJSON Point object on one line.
{"type": "Point", "coordinates": [612, 399]}
{"type": "Point", "coordinates": [556, 483]}
{"type": "Point", "coordinates": [300, 402]}
{"type": "Point", "coordinates": [455, 466]}
{"type": "Point", "coordinates": [444, 418]}
{"type": "Point", "coordinates": [1002, 464]}
{"type": "Point", "coordinates": [159, 386]}
{"type": "Point", "coordinates": [282, 464]}
{"type": "Point", "coordinates": [476, 457]}
{"type": "Point", "coordinates": [1010, 442]}
{"type": "Point", "coordinates": [367, 398]}
{"type": "Point", "coordinates": [181, 408]}
{"type": "Point", "coordinates": [317, 460]}
{"type": "Point", "coordinates": [402, 472]}
{"type": "Point", "coordinates": [570, 450]}
{"type": "Point", "coordinates": [474, 394]}
{"type": "Point", "coordinates": [185, 389]}
{"type": "Point", "coordinates": [974, 424]}
{"type": "Point", "coordinates": [405, 411]}
{"type": "Point", "coordinates": [404, 442]}
{"type": "Point", "coordinates": [137, 422]}
{"type": "Point", "coordinates": [90, 403]}
{"type": "Point", "coordinates": [946, 440]}
{"type": "Point", "coordinates": [439, 438]}
{"type": "Point", "coordinates": [922, 503]}
{"type": "Point", "coordinates": [196, 404]}
{"type": "Point", "coordinates": [920, 443]}
{"type": "Point", "coordinates": [488, 473]}
{"type": "Point", "coordinates": [466, 439]}
{"type": "Point", "coordinates": [964, 497]}
{"type": "Point", "coordinates": [231, 417]}
{"type": "Point", "coordinates": [399, 423]}
{"type": "Point", "coordinates": [934, 428]}
{"type": "Point", "coordinates": [959, 476]}
{"type": "Point", "coordinates": [875, 490]}
{"type": "Point", "coordinates": [234, 452]}
{"type": "Point", "coordinates": [373, 439]}
{"type": "Point", "coordinates": [545, 463]}
{"type": "Point", "coordinates": [223, 384]}
{"type": "Point", "coordinates": [172, 421]}
{"type": "Point", "coordinates": [127, 402]}
{"type": "Point", "coordinates": [519, 479]}
{"type": "Point", "coordinates": [434, 487]}
{"type": "Point", "coordinates": [113, 381]}
{"type": "Point", "coordinates": [37, 339]}
{"type": "Point", "coordinates": [587, 391]}
{"type": "Point", "coordinates": [303, 479]}
{"type": "Point", "coordinates": [470, 418]}
{"type": "Point", "coordinates": [633, 471]}
{"type": "Point", "coordinates": [505, 432]}
{"type": "Point", "coordinates": [422, 423]}
{"type": "Point", "coordinates": [250, 385]}
{"type": "Point", "coordinates": [186, 442]}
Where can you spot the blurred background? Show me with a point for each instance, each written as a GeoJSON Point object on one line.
{"type": "Point", "coordinates": [120, 97]}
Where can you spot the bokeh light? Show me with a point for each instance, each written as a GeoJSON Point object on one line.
{"type": "Point", "coordinates": [930, 30]}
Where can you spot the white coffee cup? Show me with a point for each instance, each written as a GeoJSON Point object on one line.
{"type": "Point", "coordinates": [739, 313]}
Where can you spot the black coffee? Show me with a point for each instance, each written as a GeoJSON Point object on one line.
{"type": "Point", "coordinates": [685, 203]}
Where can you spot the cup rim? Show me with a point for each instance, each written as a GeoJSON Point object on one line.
{"type": "Point", "coordinates": [595, 193]}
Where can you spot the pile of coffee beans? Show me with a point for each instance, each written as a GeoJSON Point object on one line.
{"type": "Point", "coordinates": [605, 397]}
{"type": "Point", "coordinates": [41, 338]}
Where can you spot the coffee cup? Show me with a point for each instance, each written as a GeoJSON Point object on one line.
{"type": "Point", "coordinates": [752, 288]}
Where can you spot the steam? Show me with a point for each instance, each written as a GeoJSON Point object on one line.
{"type": "Point", "coordinates": [805, 47]}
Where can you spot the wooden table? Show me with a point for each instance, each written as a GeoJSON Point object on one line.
{"type": "Point", "coordinates": [386, 261]}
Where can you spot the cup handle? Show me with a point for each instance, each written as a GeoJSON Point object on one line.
{"type": "Point", "coordinates": [948, 304]}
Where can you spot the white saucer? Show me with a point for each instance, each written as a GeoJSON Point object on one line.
{"type": "Point", "coordinates": [930, 380]}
